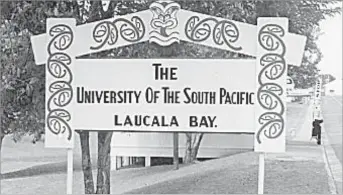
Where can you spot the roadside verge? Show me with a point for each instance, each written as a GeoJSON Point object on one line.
{"type": "Point", "coordinates": [333, 165]}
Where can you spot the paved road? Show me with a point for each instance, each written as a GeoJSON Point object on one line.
{"type": "Point", "coordinates": [332, 113]}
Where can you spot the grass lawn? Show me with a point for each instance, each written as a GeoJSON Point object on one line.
{"type": "Point", "coordinates": [282, 177]}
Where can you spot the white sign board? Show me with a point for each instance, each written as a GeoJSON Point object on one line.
{"type": "Point", "coordinates": [318, 91]}
{"type": "Point", "coordinates": [164, 95]}
{"type": "Point", "coordinates": [317, 98]}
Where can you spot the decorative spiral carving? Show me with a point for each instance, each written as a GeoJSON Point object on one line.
{"type": "Point", "coordinates": [58, 66]}
{"type": "Point", "coordinates": [268, 97]}
{"type": "Point", "coordinates": [58, 122]}
{"type": "Point", "coordinates": [62, 38]}
{"type": "Point", "coordinates": [272, 123]}
{"type": "Point", "coordinates": [61, 90]}
{"type": "Point", "coordinates": [270, 38]}
{"type": "Point", "coordinates": [269, 92]}
{"type": "Point", "coordinates": [107, 32]}
{"type": "Point", "coordinates": [198, 31]}
{"type": "Point", "coordinates": [223, 31]}
{"type": "Point", "coordinates": [62, 94]}
{"type": "Point", "coordinates": [274, 65]}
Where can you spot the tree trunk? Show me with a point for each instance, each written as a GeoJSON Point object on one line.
{"type": "Point", "coordinates": [1, 138]}
{"type": "Point", "coordinates": [188, 153]}
{"type": "Point", "coordinates": [4, 125]}
{"type": "Point", "coordinates": [86, 163]}
{"type": "Point", "coordinates": [193, 141]}
{"type": "Point", "coordinates": [104, 162]}
{"type": "Point", "coordinates": [196, 146]}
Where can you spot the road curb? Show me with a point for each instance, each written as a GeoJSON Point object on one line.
{"type": "Point", "coordinates": [332, 164]}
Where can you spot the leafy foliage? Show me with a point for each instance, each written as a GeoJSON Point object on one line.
{"type": "Point", "coordinates": [22, 84]}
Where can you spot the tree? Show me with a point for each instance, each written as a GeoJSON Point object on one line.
{"type": "Point", "coordinates": [22, 106]}
{"type": "Point", "coordinates": [193, 141]}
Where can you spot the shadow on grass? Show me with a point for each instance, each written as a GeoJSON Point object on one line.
{"type": "Point", "coordinates": [46, 169]}
{"type": "Point", "coordinates": [61, 167]}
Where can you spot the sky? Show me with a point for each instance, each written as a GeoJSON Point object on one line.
{"type": "Point", "coordinates": [330, 43]}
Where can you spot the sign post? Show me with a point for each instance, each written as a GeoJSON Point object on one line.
{"type": "Point", "coordinates": [59, 132]}
{"type": "Point", "coordinates": [317, 98]}
{"type": "Point", "coordinates": [69, 171]}
{"type": "Point", "coordinates": [176, 150]}
{"type": "Point", "coordinates": [271, 75]}
{"type": "Point", "coordinates": [261, 172]}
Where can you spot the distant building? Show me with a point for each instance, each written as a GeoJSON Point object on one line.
{"type": "Point", "coordinates": [334, 88]}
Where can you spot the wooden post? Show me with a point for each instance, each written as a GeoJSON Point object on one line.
{"type": "Point", "coordinates": [69, 171]}
{"type": "Point", "coordinates": [176, 150]}
{"type": "Point", "coordinates": [261, 173]}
